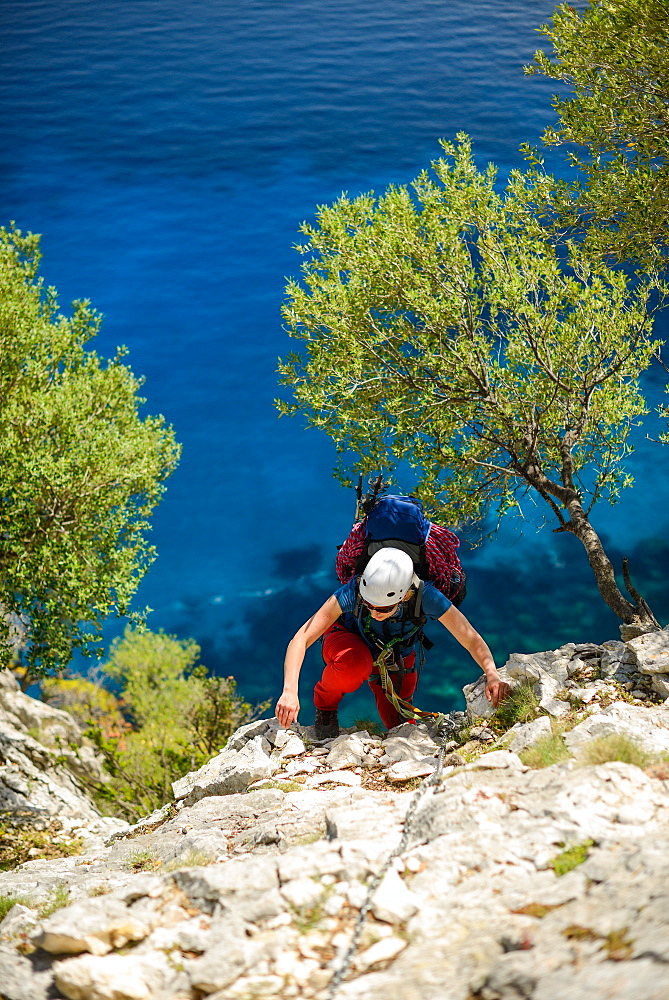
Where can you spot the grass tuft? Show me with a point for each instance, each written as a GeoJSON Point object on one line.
{"type": "Point", "coordinates": [537, 910]}
{"type": "Point", "coordinates": [56, 900]}
{"type": "Point", "coordinates": [142, 860]}
{"type": "Point", "coordinates": [618, 747]}
{"type": "Point", "coordinates": [99, 890]}
{"type": "Point", "coordinates": [373, 727]}
{"type": "Point", "coordinates": [282, 786]}
{"type": "Point", "coordinates": [571, 857]}
{"type": "Point", "coordinates": [191, 859]}
{"type": "Point", "coordinates": [617, 945]}
{"type": "Point", "coordinates": [521, 705]}
{"type": "Point", "coordinates": [548, 750]}
{"type": "Point", "coordinates": [7, 902]}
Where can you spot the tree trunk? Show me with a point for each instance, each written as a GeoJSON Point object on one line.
{"type": "Point", "coordinates": [637, 614]}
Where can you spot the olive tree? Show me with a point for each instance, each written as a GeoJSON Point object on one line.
{"type": "Point", "coordinates": [613, 55]}
{"type": "Point", "coordinates": [443, 326]}
{"type": "Point", "coordinates": [80, 470]}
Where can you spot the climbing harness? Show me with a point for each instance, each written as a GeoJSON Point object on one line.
{"type": "Point", "coordinates": [403, 707]}
{"type": "Point", "coordinates": [444, 728]}
{"type": "Point", "coordinates": [384, 658]}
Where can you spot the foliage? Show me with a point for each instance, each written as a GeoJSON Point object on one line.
{"type": "Point", "coordinates": [521, 705]}
{"type": "Point", "coordinates": [22, 841]}
{"type": "Point", "coordinates": [89, 703]}
{"type": "Point", "coordinates": [614, 56]}
{"type": "Point", "coordinates": [447, 329]}
{"type": "Point", "coordinates": [571, 857]}
{"type": "Point", "coordinates": [616, 746]}
{"type": "Point", "coordinates": [7, 902]}
{"type": "Point", "coordinates": [80, 470]}
{"type": "Point", "coordinates": [180, 716]}
{"type": "Point", "coordinates": [547, 750]}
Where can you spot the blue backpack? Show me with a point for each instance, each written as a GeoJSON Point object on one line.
{"type": "Point", "coordinates": [396, 522]}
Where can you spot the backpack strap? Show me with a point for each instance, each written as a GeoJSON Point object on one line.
{"type": "Point", "coordinates": [418, 604]}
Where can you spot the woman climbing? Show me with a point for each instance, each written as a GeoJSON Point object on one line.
{"type": "Point", "coordinates": [377, 616]}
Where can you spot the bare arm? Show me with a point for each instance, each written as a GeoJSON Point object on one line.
{"type": "Point", "coordinates": [495, 688]}
{"type": "Point", "coordinates": [288, 705]}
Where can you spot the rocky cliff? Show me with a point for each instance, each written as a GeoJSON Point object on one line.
{"type": "Point", "coordinates": [502, 880]}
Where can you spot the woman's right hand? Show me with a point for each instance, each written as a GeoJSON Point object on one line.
{"type": "Point", "coordinates": [287, 708]}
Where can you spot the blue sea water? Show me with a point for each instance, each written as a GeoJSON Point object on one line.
{"type": "Point", "coordinates": [167, 152]}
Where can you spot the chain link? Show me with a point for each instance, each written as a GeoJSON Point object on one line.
{"type": "Point", "coordinates": [445, 725]}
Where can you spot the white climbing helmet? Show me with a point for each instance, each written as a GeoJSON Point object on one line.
{"type": "Point", "coordinates": [387, 577]}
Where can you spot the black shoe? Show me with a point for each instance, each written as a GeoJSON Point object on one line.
{"type": "Point", "coordinates": [327, 724]}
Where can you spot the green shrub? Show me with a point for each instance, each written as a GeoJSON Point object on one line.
{"type": "Point", "coordinates": [179, 719]}
{"type": "Point", "coordinates": [616, 746]}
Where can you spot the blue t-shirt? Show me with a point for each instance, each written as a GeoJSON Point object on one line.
{"type": "Point", "coordinates": [434, 604]}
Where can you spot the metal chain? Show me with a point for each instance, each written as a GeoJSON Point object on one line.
{"type": "Point", "coordinates": [429, 782]}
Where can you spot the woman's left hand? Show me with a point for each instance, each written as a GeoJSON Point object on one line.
{"type": "Point", "coordinates": [496, 690]}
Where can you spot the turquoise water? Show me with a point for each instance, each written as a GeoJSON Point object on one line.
{"type": "Point", "coordinates": [167, 153]}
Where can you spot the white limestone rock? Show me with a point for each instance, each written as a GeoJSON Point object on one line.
{"type": "Point", "coordinates": [248, 732]}
{"type": "Point", "coordinates": [478, 706]}
{"type": "Point", "coordinates": [532, 666]}
{"type": "Point", "coordinates": [52, 726]}
{"type": "Point", "coordinates": [408, 742]}
{"type": "Point", "coordinates": [393, 902]}
{"type": "Point", "coordinates": [302, 893]}
{"type": "Point", "coordinates": [651, 652]}
{"type": "Point", "coordinates": [661, 684]}
{"type": "Point", "coordinates": [617, 661]}
{"type": "Point", "coordinates": [335, 777]}
{"type": "Point", "coordinates": [230, 771]}
{"type": "Point", "coordinates": [114, 977]}
{"type": "Point", "coordinates": [23, 979]}
{"type": "Point", "coordinates": [496, 760]}
{"type": "Point", "coordinates": [527, 734]}
{"type": "Point", "coordinates": [19, 920]}
{"type": "Point", "coordinates": [288, 744]}
{"type": "Point", "coordinates": [257, 987]}
{"type": "Point", "coordinates": [95, 925]}
{"type": "Point", "coordinates": [555, 707]}
{"type": "Point", "coordinates": [382, 951]}
{"type": "Point", "coordinates": [645, 725]}
{"type": "Point", "coordinates": [404, 770]}
{"type": "Point", "coordinates": [348, 751]}
{"type": "Point", "coordinates": [42, 778]}
{"type": "Point", "coordinates": [33, 781]}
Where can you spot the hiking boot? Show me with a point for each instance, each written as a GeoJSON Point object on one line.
{"type": "Point", "coordinates": [327, 724]}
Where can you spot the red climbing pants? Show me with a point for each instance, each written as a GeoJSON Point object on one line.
{"type": "Point", "coordinates": [348, 664]}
